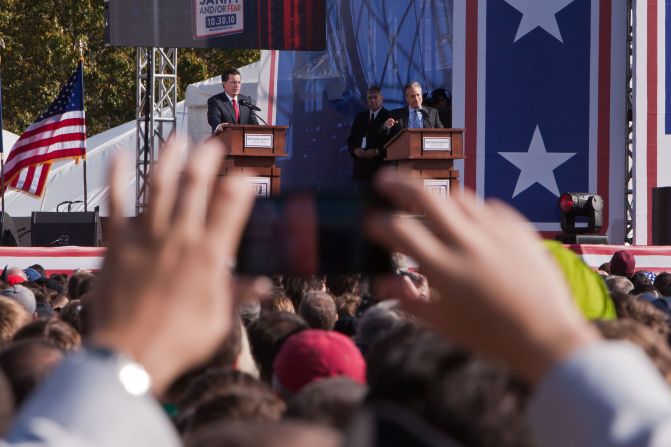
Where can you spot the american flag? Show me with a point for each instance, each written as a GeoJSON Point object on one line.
{"type": "Point", "coordinates": [58, 133]}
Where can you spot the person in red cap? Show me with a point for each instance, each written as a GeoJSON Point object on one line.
{"type": "Point", "coordinates": [622, 264]}
{"type": "Point", "coordinates": [312, 355]}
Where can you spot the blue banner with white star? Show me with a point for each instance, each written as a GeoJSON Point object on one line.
{"type": "Point", "coordinates": [537, 115]}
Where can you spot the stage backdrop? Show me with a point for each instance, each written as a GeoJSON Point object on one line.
{"type": "Point", "coordinates": [652, 109]}
{"type": "Point", "coordinates": [539, 90]}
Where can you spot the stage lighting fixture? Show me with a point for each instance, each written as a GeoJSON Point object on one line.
{"type": "Point", "coordinates": [573, 205]}
{"type": "Point", "coordinates": [587, 207]}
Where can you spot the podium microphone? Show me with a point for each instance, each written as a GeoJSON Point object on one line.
{"type": "Point", "coordinates": [243, 102]}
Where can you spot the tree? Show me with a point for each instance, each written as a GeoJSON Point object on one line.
{"type": "Point", "coordinates": [41, 54]}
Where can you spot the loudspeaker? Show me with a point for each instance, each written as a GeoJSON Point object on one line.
{"type": "Point", "coordinates": [60, 229]}
{"type": "Point", "coordinates": [661, 216]}
{"type": "Point", "coordinates": [8, 235]}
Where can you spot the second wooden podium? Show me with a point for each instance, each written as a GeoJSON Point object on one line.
{"type": "Point", "coordinates": [252, 151]}
{"type": "Point", "coordinates": [429, 154]}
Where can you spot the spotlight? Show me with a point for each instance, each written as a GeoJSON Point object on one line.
{"type": "Point", "coordinates": [587, 206]}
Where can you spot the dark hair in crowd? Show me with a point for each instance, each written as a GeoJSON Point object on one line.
{"type": "Point", "coordinates": [318, 309]}
{"type": "Point", "coordinates": [278, 302]}
{"type": "Point", "coordinates": [342, 284]}
{"type": "Point", "coordinates": [12, 316]}
{"type": "Point", "coordinates": [347, 304]}
{"type": "Point", "coordinates": [628, 306]}
{"type": "Point", "coordinates": [266, 336]}
{"type": "Point", "coordinates": [471, 400]}
{"type": "Point", "coordinates": [56, 331]}
{"type": "Point", "coordinates": [654, 344]}
{"type": "Point", "coordinates": [27, 363]}
{"type": "Point", "coordinates": [331, 401]}
{"type": "Point", "coordinates": [283, 434]}
{"type": "Point", "coordinates": [73, 313]}
{"type": "Point", "coordinates": [75, 281]}
{"type": "Point", "coordinates": [663, 283]}
{"type": "Point", "coordinates": [252, 402]}
{"type": "Point", "coordinates": [6, 404]}
{"type": "Point", "coordinates": [297, 286]}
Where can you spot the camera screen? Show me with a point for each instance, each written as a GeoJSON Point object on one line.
{"type": "Point", "coordinates": [306, 234]}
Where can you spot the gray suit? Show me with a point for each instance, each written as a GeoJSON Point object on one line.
{"type": "Point", "coordinates": [431, 120]}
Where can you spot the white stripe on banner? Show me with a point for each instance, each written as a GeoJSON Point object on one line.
{"type": "Point", "coordinates": [663, 140]}
{"type": "Point", "coordinates": [53, 263]}
{"type": "Point", "coordinates": [640, 123]}
{"type": "Point", "coordinates": [459, 77]}
{"type": "Point", "coordinates": [642, 262]}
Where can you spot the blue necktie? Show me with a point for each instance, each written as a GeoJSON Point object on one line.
{"type": "Point", "coordinates": [415, 119]}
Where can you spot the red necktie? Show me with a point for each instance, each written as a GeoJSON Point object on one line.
{"type": "Point", "coordinates": [237, 111]}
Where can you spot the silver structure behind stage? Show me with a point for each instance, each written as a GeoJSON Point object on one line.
{"type": "Point", "coordinates": [156, 117]}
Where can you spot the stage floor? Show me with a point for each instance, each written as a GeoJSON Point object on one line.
{"type": "Point", "coordinates": [68, 259]}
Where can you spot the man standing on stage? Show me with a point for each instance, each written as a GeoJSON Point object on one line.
{"type": "Point", "coordinates": [412, 117]}
{"type": "Point", "coordinates": [230, 107]}
{"type": "Point", "coordinates": [365, 143]}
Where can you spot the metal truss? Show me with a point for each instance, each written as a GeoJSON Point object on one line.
{"type": "Point", "coordinates": [156, 117]}
{"type": "Point", "coordinates": [629, 137]}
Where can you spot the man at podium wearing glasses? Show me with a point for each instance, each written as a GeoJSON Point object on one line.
{"type": "Point", "coordinates": [415, 116]}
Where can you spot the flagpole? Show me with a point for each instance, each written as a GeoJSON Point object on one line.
{"type": "Point", "coordinates": [2, 150]}
{"type": "Point", "coordinates": [80, 46]}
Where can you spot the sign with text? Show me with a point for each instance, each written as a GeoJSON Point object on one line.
{"type": "Point", "coordinates": [253, 24]}
{"type": "Point", "coordinates": [260, 186]}
{"type": "Point", "coordinates": [437, 143]}
{"type": "Point", "coordinates": [438, 187]}
{"type": "Point", "coordinates": [259, 140]}
{"type": "Point", "coordinates": [218, 17]}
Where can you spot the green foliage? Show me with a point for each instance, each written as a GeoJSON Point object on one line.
{"type": "Point", "coordinates": [41, 54]}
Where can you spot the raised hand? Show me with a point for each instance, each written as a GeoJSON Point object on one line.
{"type": "Point", "coordinates": [164, 294]}
{"type": "Point", "coordinates": [494, 287]}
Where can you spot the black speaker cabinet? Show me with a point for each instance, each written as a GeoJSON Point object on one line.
{"type": "Point", "coordinates": [661, 216]}
{"type": "Point", "coordinates": [61, 229]}
{"type": "Point", "coordinates": [8, 235]}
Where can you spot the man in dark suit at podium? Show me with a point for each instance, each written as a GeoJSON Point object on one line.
{"type": "Point", "coordinates": [365, 143]}
{"type": "Point", "coordinates": [414, 116]}
{"type": "Point", "coordinates": [229, 107]}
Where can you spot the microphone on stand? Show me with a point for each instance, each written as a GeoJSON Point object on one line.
{"type": "Point", "coordinates": [243, 102]}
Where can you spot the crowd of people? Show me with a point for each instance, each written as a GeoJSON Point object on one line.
{"type": "Point", "coordinates": [491, 341]}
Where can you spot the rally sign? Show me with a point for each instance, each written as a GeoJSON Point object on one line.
{"type": "Point", "coordinates": [217, 18]}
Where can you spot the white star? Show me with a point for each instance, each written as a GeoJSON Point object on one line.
{"type": "Point", "coordinates": [539, 13]}
{"type": "Point", "coordinates": [537, 165]}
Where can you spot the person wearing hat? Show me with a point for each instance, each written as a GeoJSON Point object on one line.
{"type": "Point", "coordinates": [23, 296]}
{"type": "Point", "coordinates": [623, 263]}
{"type": "Point", "coordinates": [314, 354]}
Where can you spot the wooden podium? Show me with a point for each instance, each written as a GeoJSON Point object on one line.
{"type": "Point", "coordinates": [251, 151]}
{"type": "Point", "coordinates": [429, 154]}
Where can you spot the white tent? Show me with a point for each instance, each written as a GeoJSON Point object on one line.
{"type": "Point", "coordinates": [8, 140]}
{"type": "Point", "coordinates": [66, 182]}
{"type": "Point", "coordinates": [255, 83]}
